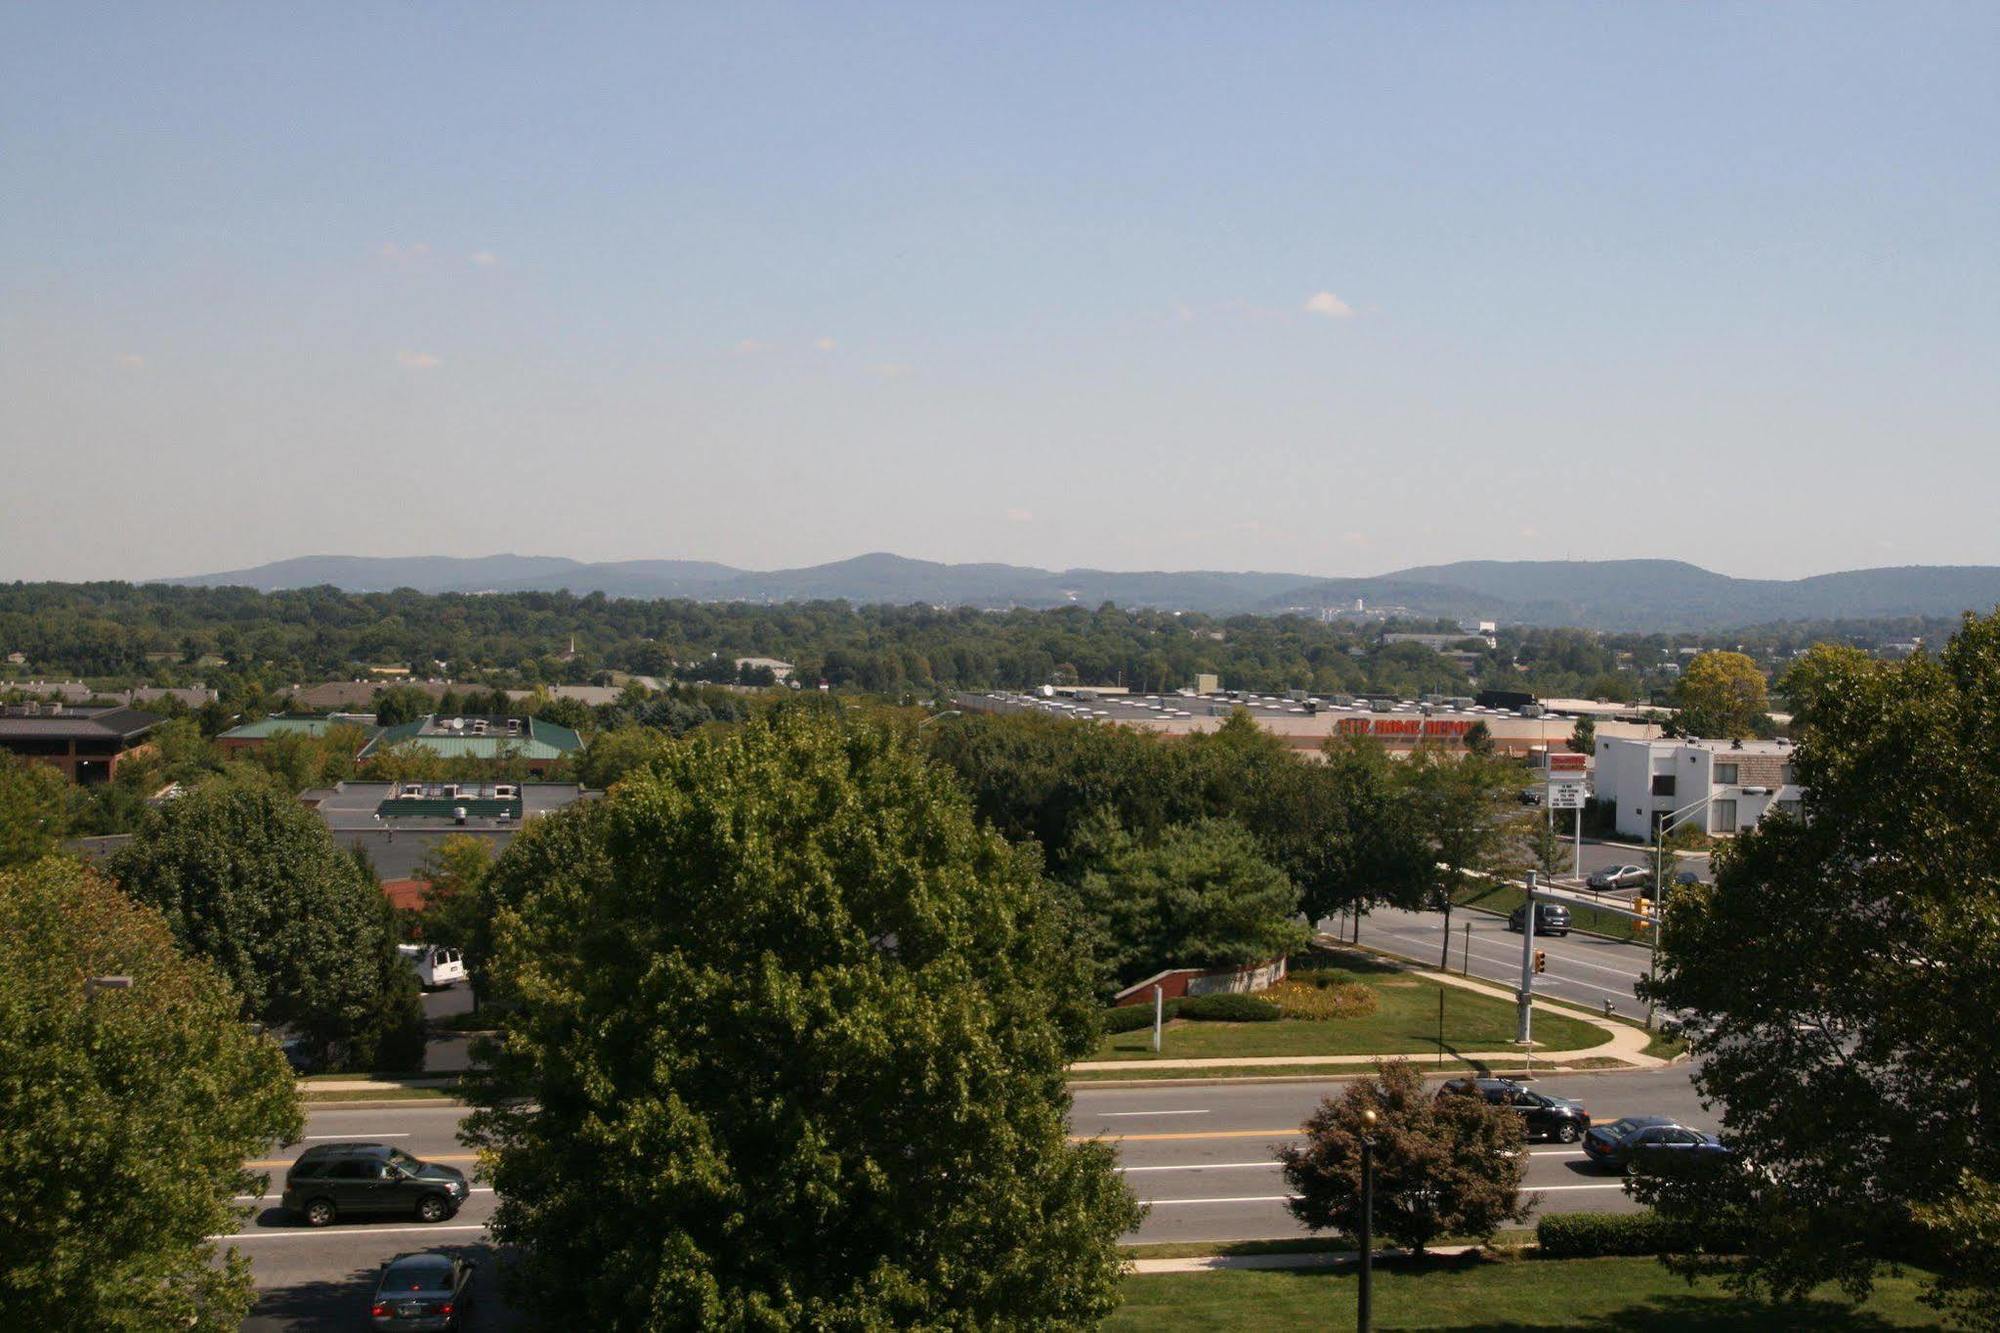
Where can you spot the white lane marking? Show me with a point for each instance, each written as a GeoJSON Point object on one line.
{"type": "Point", "coordinates": [1625, 994]}
{"type": "Point", "coordinates": [1205, 1166]}
{"type": "Point", "coordinates": [310, 1137]}
{"type": "Point", "coordinates": [1555, 1152]}
{"type": "Point", "coordinates": [1287, 1198]}
{"type": "Point", "coordinates": [315, 1112]}
{"type": "Point", "coordinates": [334, 1233]}
{"type": "Point", "coordinates": [1112, 1115]}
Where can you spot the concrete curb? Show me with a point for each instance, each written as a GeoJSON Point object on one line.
{"type": "Point", "coordinates": [1222, 1263]}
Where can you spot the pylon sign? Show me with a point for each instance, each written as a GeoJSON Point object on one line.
{"type": "Point", "coordinates": [1566, 794]}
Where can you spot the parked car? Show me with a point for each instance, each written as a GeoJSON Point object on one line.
{"type": "Point", "coordinates": [435, 965]}
{"type": "Point", "coordinates": [1550, 919]}
{"type": "Point", "coordinates": [1640, 1141]}
{"type": "Point", "coordinates": [1542, 1116]}
{"type": "Point", "coordinates": [1620, 877]}
{"type": "Point", "coordinates": [423, 1291]}
{"type": "Point", "coordinates": [1683, 878]}
{"type": "Point", "coordinates": [334, 1180]}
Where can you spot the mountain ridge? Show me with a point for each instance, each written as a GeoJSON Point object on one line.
{"type": "Point", "coordinates": [1604, 594]}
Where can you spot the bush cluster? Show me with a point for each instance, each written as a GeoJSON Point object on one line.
{"type": "Point", "coordinates": [1602, 1235]}
{"type": "Point", "coordinates": [1132, 1017]}
{"type": "Point", "coordinates": [1228, 1007]}
{"type": "Point", "coordinates": [1322, 997]}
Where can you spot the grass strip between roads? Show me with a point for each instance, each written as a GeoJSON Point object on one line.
{"type": "Point", "coordinates": [1489, 896]}
{"type": "Point", "coordinates": [1481, 1291]}
{"type": "Point", "coordinates": [1405, 1022]}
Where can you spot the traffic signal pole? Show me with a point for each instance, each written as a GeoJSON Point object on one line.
{"type": "Point", "coordinates": [1524, 1029]}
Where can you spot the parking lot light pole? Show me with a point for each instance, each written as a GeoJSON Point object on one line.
{"type": "Point", "coordinates": [1661, 829]}
{"type": "Point", "coordinates": [1364, 1314]}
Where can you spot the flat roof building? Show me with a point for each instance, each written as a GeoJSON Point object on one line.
{"type": "Point", "coordinates": [535, 744]}
{"type": "Point", "coordinates": [252, 734]}
{"type": "Point", "coordinates": [1723, 787]}
{"type": "Point", "coordinates": [87, 744]}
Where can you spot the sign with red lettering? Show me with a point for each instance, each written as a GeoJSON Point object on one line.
{"type": "Point", "coordinates": [1407, 728]}
{"type": "Point", "coordinates": [1560, 762]}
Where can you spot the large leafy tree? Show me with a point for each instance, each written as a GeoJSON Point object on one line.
{"type": "Point", "coordinates": [34, 810]}
{"type": "Point", "coordinates": [1200, 895]}
{"type": "Point", "coordinates": [1461, 806]}
{"type": "Point", "coordinates": [1443, 1166]}
{"type": "Point", "coordinates": [1849, 963]}
{"type": "Point", "coordinates": [1720, 694]}
{"type": "Point", "coordinates": [251, 880]}
{"type": "Point", "coordinates": [785, 1003]}
{"type": "Point", "coordinates": [125, 1117]}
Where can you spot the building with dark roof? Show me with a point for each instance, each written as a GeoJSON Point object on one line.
{"type": "Point", "coordinates": [266, 729]}
{"type": "Point", "coordinates": [536, 746]}
{"type": "Point", "coordinates": [87, 744]}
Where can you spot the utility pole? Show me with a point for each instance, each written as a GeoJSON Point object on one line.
{"type": "Point", "coordinates": [1364, 1314]}
{"type": "Point", "coordinates": [1524, 1032]}
{"type": "Point", "coordinates": [1159, 1012]}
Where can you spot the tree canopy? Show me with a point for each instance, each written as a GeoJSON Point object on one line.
{"type": "Point", "coordinates": [125, 1117]}
{"type": "Point", "coordinates": [251, 880]}
{"type": "Point", "coordinates": [782, 999]}
{"type": "Point", "coordinates": [1443, 1166]}
{"type": "Point", "coordinates": [1721, 694]}
{"type": "Point", "coordinates": [34, 810]}
{"type": "Point", "coordinates": [1857, 1061]}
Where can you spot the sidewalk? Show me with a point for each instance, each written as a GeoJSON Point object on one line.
{"type": "Point", "coordinates": [1217, 1263]}
{"type": "Point", "coordinates": [1627, 1043]}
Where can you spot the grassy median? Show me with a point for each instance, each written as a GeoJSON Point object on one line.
{"type": "Point", "coordinates": [1484, 1293]}
{"type": "Point", "coordinates": [1405, 1022]}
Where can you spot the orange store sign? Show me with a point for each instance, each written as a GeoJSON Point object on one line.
{"type": "Point", "coordinates": [1407, 728]}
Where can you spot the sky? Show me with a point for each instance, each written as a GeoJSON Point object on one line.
{"type": "Point", "coordinates": [1327, 289]}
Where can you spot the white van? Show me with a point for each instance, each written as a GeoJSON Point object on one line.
{"type": "Point", "coordinates": [435, 965]}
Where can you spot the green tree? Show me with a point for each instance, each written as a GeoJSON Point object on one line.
{"type": "Point", "coordinates": [1443, 1165]}
{"type": "Point", "coordinates": [125, 1117]}
{"type": "Point", "coordinates": [807, 1023]}
{"type": "Point", "coordinates": [1720, 694]}
{"type": "Point", "coordinates": [1372, 850]}
{"type": "Point", "coordinates": [1479, 739]}
{"type": "Point", "coordinates": [251, 880]}
{"type": "Point", "coordinates": [1462, 809]}
{"type": "Point", "coordinates": [399, 704]}
{"type": "Point", "coordinates": [1200, 895]}
{"type": "Point", "coordinates": [1583, 736]}
{"type": "Point", "coordinates": [34, 810]}
{"type": "Point", "coordinates": [1854, 1053]}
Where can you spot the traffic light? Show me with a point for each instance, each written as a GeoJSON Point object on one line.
{"type": "Point", "coordinates": [1541, 961]}
{"type": "Point", "coordinates": [1644, 907]}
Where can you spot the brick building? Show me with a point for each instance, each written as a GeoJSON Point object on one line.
{"type": "Point", "coordinates": [87, 744]}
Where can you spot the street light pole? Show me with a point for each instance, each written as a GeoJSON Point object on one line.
{"type": "Point", "coordinates": [1364, 1317]}
{"type": "Point", "coordinates": [1524, 1032]}
{"type": "Point", "coordinates": [1662, 828]}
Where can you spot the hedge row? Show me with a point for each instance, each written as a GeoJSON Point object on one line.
{"type": "Point", "coordinates": [1600, 1235]}
{"type": "Point", "coordinates": [1132, 1017]}
{"type": "Point", "coordinates": [1229, 1007]}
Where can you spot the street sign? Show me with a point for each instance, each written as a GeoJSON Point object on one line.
{"type": "Point", "coordinates": [1566, 795]}
{"type": "Point", "coordinates": [1560, 763]}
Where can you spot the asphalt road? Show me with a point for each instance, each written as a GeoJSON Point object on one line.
{"type": "Point", "coordinates": [1201, 1155]}
{"type": "Point", "coordinates": [1583, 969]}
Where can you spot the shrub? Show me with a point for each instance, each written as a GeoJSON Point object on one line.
{"type": "Point", "coordinates": [1228, 1007]}
{"type": "Point", "coordinates": [1601, 1235]}
{"type": "Point", "coordinates": [1132, 1017]}
{"type": "Point", "coordinates": [1322, 999]}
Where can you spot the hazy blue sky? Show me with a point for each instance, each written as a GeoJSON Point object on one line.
{"type": "Point", "coordinates": [1330, 290]}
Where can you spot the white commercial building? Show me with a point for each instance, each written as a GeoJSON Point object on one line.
{"type": "Point", "coordinates": [1646, 780]}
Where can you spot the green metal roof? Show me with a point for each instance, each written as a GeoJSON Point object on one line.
{"type": "Point", "coordinates": [537, 740]}
{"type": "Point", "coordinates": [265, 728]}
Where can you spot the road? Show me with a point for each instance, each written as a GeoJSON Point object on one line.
{"type": "Point", "coordinates": [1201, 1155]}
{"type": "Point", "coordinates": [1583, 969]}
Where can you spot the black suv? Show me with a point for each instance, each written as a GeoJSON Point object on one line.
{"type": "Point", "coordinates": [1550, 919]}
{"type": "Point", "coordinates": [1542, 1116]}
{"type": "Point", "coordinates": [334, 1180]}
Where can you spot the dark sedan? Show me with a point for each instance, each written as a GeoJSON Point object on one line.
{"type": "Point", "coordinates": [1643, 1142]}
{"type": "Point", "coordinates": [428, 1292]}
{"type": "Point", "coordinates": [1560, 1118]}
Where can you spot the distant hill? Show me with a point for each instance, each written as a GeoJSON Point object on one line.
{"type": "Point", "coordinates": [1606, 594]}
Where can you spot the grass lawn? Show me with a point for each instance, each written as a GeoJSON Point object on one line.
{"type": "Point", "coordinates": [1405, 1021]}
{"type": "Point", "coordinates": [1495, 1294]}
{"type": "Point", "coordinates": [1504, 898]}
